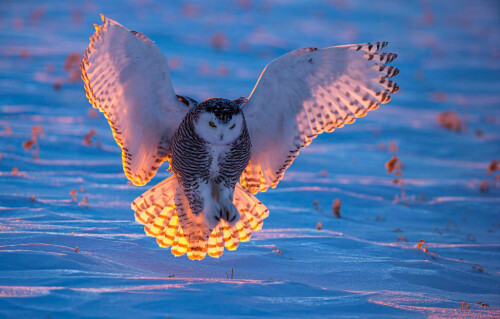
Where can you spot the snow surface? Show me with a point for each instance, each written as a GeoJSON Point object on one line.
{"type": "Point", "coordinates": [353, 267]}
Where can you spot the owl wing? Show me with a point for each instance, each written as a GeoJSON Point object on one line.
{"type": "Point", "coordinates": [305, 93]}
{"type": "Point", "coordinates": [126, 77]}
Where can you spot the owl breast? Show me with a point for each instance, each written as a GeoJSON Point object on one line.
{"type": "Point", "coordinates": [217, 155]}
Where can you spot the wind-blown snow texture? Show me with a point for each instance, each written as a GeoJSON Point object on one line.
{"type": "Point", "coordinates": [353, 267]}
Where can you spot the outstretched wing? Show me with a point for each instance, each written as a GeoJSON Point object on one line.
{"type": "Point", "coordinates": [126, 77]}
{"type": "Point", "coordinates": [305, 93]}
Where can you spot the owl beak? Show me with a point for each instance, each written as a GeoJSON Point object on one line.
{"type": "Point", "coordinates": [221, 137]}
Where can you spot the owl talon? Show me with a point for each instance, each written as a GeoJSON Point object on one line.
{"type": "Point", "coordinates": [230, 213]}
{"type": "Point", "coordinates": [232, 218]}
{"type": "Point", "coordinates": [212, 213]}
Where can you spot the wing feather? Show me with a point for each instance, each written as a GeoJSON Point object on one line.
{"type": "Point", "coordinates": [126, 77]}
{"type": "Point", "coordinates": [308, 92]}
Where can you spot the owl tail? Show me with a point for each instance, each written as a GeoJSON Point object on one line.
{"type": "Point", "coordinates": [164, 211]}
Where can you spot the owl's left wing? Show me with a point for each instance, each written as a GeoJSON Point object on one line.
{"type": "Point", "coordinates": [126, 77]}
{"type": "Point", "coordinates": [305, 93]}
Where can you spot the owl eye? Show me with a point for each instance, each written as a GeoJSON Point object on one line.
{"type": "Point", "coordinates": [212, 124]}
{"type": "Point", "coordinates": [232, 126]}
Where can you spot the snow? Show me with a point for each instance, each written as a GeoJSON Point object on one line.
{"type": "Point", "coordinates": [354, 266]}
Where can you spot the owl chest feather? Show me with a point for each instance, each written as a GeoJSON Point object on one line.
{"type": "Point", "coordinates": [217, 155]}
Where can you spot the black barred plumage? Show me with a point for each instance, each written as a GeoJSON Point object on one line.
{"type": "Point", "coordinates": [236, 160]}
{"type": "Point", "coordinates": [190, 160]}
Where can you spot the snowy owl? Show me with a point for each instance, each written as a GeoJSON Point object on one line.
{"type": "Point", "coordinates": [221, 152]}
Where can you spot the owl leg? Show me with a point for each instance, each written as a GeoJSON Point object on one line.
{"type": "Point", "coordinates": [211, 208]}
{"type": "Point", "coordinates": [212, 213]}
{"type": "Point", "coordinates": [229, 212]}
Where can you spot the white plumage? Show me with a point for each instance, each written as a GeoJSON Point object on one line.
{"type": "Point", "coordinates": [126, 77]}
{"type": "Point", "coordinates": [298, 96]}
{"type": "Point", "coordinates": [305, 93]}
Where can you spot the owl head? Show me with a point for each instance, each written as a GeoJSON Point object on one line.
{"type": "Point", "coordinates": [220, 121]}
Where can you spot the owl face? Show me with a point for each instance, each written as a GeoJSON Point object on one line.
{"type": "Point", "coordinates": [220, 121]}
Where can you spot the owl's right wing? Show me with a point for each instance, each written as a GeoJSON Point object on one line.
{"type": "Point", "coordinates": [126, 77]}
{"type": "Point", "coordinates": [305, 93]}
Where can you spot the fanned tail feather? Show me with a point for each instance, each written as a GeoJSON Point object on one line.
{"type": "Point", "coordinates": [165, 214]}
